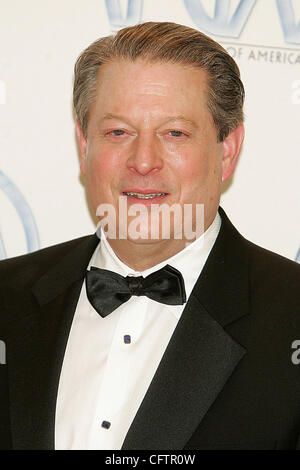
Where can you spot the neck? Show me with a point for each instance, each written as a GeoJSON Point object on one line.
{"type": "Point", "coordinates": [142, 256]}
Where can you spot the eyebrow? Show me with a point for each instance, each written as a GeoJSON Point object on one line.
{"type": "Point", "coordinates": [167, 119]}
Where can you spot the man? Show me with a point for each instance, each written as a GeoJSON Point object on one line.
{"type": "Point", "coordinates": [153, 342]}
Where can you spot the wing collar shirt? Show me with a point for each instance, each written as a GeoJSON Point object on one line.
{"type": "Point", "coordinates": [110, 362]}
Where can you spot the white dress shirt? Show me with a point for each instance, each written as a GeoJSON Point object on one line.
{"type": "Point", "coordinates": [104, 379]}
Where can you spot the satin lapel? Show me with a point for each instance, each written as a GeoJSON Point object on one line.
{"type": "Point", "coordinates": [36, 345]}
{"type": "Point", "coordinates": [201, 355]}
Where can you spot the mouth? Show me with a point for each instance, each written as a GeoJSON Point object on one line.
{"type": "Point", "coordinates": [144, 195]}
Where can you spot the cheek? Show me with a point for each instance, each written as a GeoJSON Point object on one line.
{"type": "Point", "coordinates": [194, 171]}
{"type": "Point", "coordinates": [101, 167]}
{"type": "Point", "coordinates": [201, 174]}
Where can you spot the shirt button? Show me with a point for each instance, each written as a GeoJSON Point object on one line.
{"type": "Point", "coordinates": [105, 424]}
{"type": "Point", "coordinates": [127, 339]}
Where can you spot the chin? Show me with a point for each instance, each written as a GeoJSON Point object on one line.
{"type": "Point", "coordinates": [144, 241]}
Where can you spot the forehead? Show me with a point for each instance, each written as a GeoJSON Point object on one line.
{"type": "Point", "coordinates": [123, 83]}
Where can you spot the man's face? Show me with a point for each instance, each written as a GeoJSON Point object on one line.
{"type": "Point", "coordinates": [149, 131]}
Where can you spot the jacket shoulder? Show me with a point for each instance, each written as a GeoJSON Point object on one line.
{"type": "Point", "coordinates": [265, 261]}
{"type": "Point", "coordinates": [25, 269]}
{"type": "Point", "coordinates": [275, 279]}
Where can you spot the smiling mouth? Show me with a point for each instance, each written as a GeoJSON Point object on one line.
{"type": "Point", "coordinates": [144, 195]}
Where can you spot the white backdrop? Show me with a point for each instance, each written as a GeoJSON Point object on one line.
{"type": "Point", "coordinates": [42, 201]}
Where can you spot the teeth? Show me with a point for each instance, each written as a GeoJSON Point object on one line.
{"type": "Point", "coordinates": [145, 196]}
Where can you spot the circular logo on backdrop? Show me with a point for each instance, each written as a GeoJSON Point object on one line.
{"type": "Point", "coordinates": [24, 213]}
{"type": "Point", "coordinates": [298, 256]}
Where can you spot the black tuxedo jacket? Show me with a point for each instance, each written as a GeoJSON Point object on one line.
{"type": "Point", "coordinates": [226, 380]}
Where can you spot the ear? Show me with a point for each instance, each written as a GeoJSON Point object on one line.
{"type": "Point", "coordinates": [82, 143]}
{"type": "Point", "coordinates": [231, 149]}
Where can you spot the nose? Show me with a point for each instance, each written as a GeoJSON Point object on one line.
{"type": "Point", "coordinates": [145, 155]}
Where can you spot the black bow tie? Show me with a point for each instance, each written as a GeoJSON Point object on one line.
{"type": "Point", "coordinates": [107, 290]}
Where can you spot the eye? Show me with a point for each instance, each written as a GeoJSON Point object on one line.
{"type": "Point", "coordinates": [176, 133]}
{"type": "Point", "coordinates": [117, 132]}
